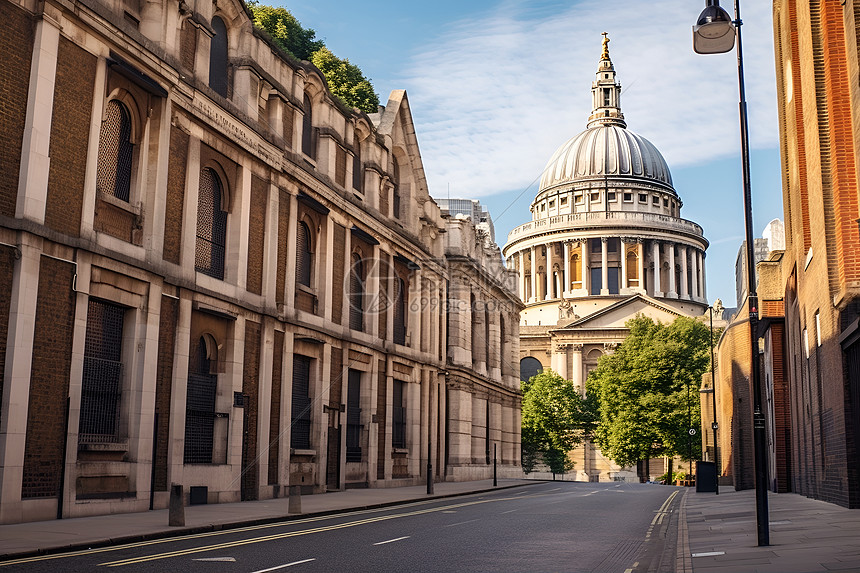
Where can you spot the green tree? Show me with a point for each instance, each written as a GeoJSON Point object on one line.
{"type": "Point", "coordinates": [287, 32]}
{"type": "Point", "coordinates": [554, 421]}
{"type": "Point", "coordinates": [346, 81]}
{"type": "Point", "coordinates": [646, 393]}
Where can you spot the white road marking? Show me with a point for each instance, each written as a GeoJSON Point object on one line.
{"type": "Point", "coordinates": [283, 566]}
{"type": "Point", "coordinates": [510, 511]}
{"type": "Point", "coordinates": [708, 554]}
{"type": "Point", "coordinates": [392, 540]}
{"type": "Point", "coordinates": [461, 523]}
{"type": "Point", "coordinates": [229, 559]}
{"type": "Point", "coordinates": [556, 489]}
{"type": "Point", "coordinates": [449, 512]}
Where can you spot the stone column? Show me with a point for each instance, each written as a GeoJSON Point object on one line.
{"type": "Point", "coordinates": [585, 266]}
{"type": "Point", "coordinates": [623, 286]}
{"type": "Point", "coordinates": [566, 281]}
{"type": "Point", "coordinates": [695, 271]}
{"type": "Point", "coordinates": [561, 351]}
{"type": "Point", "coordinates": [641, 252]}
{"type": "Point", "coordinates": [548, 267]}
{"type": "Point", "coordinates": [673, 291]}
{"type": "Point", "coordinates": [704, 281]}
{"type": "Point", "coordinates": [576, 368]}
{"type": "Point", "coordinates": [655, 256]}
{"type": "Point", "coordinates": [534, 294]}
{"type": "Point", "coordinates": [685, 294]}
{"type": "Point", "coordinates": [604, 265]}
{"type": "Point", "coordinates": [522, 255]}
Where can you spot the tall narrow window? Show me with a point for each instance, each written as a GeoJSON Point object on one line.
{"type": "Point", "coordinates": [308, 129]}
{"type": "Point", "coordinates": [200, 405]}
{"type": "Point", "coordinates": [218, 58]}
{"type": "Point", "coordinates": [211, 226]}
{"type": "Point", "coordinates": [353, 416]}
{"type": "Point", "coordinates": [395, 210]}
{"type": "Point", "coordinates": [357, 175]}
{"type": "Point", "coordinates": [398, 411]}
{"type": "Point", "coordinates": [400, 302]}
{"type": "Point", "coordinates": [356, 293]}
{"type": "Point", "coordinates": [304, 255]}
{"type": "Point", "coordinates": [300, 436]}
{"type": "Point", "coordinates": [101, 386]}
{"type": "Point", "coordinates": [115, 152]}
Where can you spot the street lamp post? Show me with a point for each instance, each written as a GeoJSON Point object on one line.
{"type": "Point", "coordinates": [714, 33]}
{"type": "Point", "coordinates": [714, 424]}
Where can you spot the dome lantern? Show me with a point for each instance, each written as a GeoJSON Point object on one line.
{"type": "Point", "coordinates": [606, 93]}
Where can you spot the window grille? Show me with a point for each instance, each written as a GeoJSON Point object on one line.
{"type": "Point", "coordinates": [211, 226]}
{"type": "Point", "coordinates": [218, 58]}
{"type": "Point", "coordinates": [300, 435]}
{"type": "Point", "coordinates": [400, 297]}
{"type": "Point", "coordinates": [353, 417]}
{"type": "Point", "coordinates": [115, 152]}
{"type": "Point", "coordinates": [200, 408]}
{"type": "Point", "coordinates": [308, 143]}
{"type": "Point", "coordinates": [398, 430]}
{"type": "Point", "coordinates": [101, 390]}
{"type": "Point", "coordinates": [356, 294]}
{"type": "Point", "coordinates": [303, 255]}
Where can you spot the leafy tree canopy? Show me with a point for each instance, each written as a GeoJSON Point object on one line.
{"type": "Point", "coordinates": [554, 420]}
{"type": "Point", "coordinates": [345, 80]}
{"type": "Point", "coordinates": [646, 393]}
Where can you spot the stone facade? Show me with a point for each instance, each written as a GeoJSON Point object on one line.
{"type": "Point", "coordinates": [606, 242]}
{"type": "Point", "coordinates": [217, 275]}
{"type": "Point", "coordinates": [816, 51]}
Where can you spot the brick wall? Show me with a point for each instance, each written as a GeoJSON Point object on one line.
{"type": "Point", "coordinates": [250, 388]}
{"type": "Point", "coordinates": [49, 379]}
{"type": "Point", "coordinates": [163, 387]}
{"type": "Point", "coordinates": [175, 198]}
{"type": "Point", "coordinates": [338, 255]}
{"type": "Point", "coordinates": [275, 412]}
{"type": "Point", "coordinates": [257, 234]}
{"type": "Point", "coordinates": [188, 44]}
{"type": "Point", "coordinates": [16, 44]}
{"type": "Point", "coordinates": [283, 226]}
{"type": "Point", "coordinates": [70, 130]}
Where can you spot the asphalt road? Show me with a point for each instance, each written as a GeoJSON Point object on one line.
{"type": "Point", "coordinates": [557, 526]}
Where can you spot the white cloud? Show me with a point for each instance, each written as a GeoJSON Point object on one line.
{"type": "Point", "coordinates": [494, 97]}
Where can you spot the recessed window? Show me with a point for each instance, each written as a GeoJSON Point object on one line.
{"type": "Point", "coordinates": [115, 152]}
{"type": "Point", "coordinates": [211, 226]}
{"type": "Point", "coordinates": [665, 202]}
{"type": "Point", "coordinates": [551, 204]}
{"type": "Point", "coordinates": [595, 197]}
{"type": "Point", "coordinates": [101, 392]}
{"type": "Point", "coordinates": [218, 58]}
{"type": "Point", "coordinates": [563, 201]}
{"type": "Point", "coordinates": [398, 430]}
{"type": "Point", "coordinates": [543, 206]}
{"type": "Point", "coordinates": [578, 198]}
{"type": "Point", "coordinates": [643, 198]}
{"type": "Point", "coordinates": [628, 197]}
{"type": "Point", "coordinates": [655, 200]}
{"type": "Point", "coordinates": [610, 196]}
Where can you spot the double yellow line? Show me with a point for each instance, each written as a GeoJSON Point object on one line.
{"type": "Point", "coordinates": [231, 544]}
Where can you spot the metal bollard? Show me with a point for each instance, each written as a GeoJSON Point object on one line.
{"type": "Point", "coordinates": [176, 507]}
{"type": "Point", "coordinates": [295, 504]}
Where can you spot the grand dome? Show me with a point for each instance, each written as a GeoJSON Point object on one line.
{"type": "Point", "coordinates": [606, 150]}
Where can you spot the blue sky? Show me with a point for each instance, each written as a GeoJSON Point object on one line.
{"type": "Point", "coordinates": [497, 86]}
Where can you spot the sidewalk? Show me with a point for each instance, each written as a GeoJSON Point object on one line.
{"type": "Point", "coordinates": [63, 534]}
{"type": "Point", "coordinates": [805, 535]}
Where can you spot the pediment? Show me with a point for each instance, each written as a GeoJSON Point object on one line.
{"type": "Point", "coordinates": [616, 315]}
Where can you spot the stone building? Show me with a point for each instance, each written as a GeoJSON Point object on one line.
{"type": "Point", "coordinates": [215, 274]}
{"type": "Point", "coordinates": [606, 241]}
{"type": "Point", "coordinates": [817, 66]}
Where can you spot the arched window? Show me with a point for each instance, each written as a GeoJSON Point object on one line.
{"type": "Point", "coordinates": [400, 302]}
{"type": "Point", "coordinates": [356, 168]}
{"type": "Point", "coordinates": [304, 255]}
{"type": "Point", "coordinates": [632, 268]}
{"type": "Point", "coordinates": [308, 147]}
{"type": "Point", "coordinates": [115, 152]}
{"type": "Point", "coordinates": [200, 403]}
{"type": "Point", "coordinates": [218, 57]}
{"type": "Point", "coordinates": [395, 209]}
{"type": "Point", "coordinates": [356, 293]}
{"type": "Point", "coordinates": [529, 366]}
{"type": "Point", "coordinates": [575, 270]}
{"type": "Point", "coordinates": [211, 226]}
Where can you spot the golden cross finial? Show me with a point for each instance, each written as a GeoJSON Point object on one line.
{"type": "Point", "coordinates": [605, 54]}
